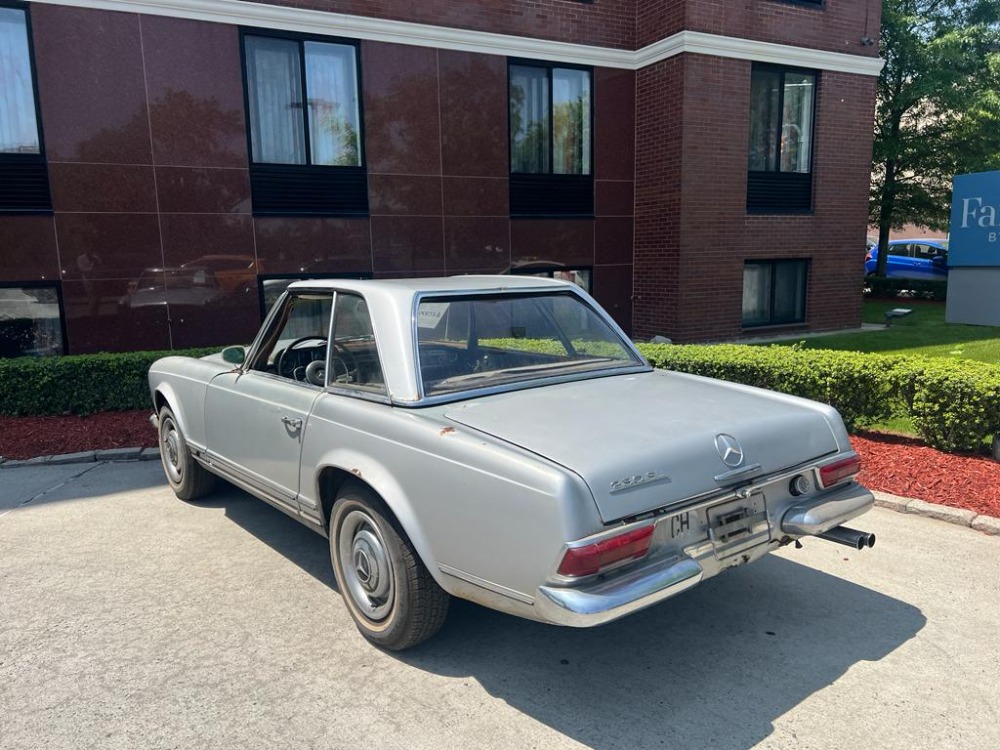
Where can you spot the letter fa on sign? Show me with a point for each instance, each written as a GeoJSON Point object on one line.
{"type": "Point", "coordinates": [983, 216]}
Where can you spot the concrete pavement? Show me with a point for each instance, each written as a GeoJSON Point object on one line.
{"type": "Point", "coordinates": [129, 619]}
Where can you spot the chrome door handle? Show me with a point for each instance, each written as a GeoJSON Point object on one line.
{"type": "Point", "coordinates": [292, 422]}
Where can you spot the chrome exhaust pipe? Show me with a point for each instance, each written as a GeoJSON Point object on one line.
{"type": "Point", "coordinates": [843, 535]}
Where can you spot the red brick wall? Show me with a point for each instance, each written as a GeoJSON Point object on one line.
{"type": "Point", "coordinates": [834, 26]}
{"type": "Point", "coordinates": [659, 134]}
{"type": "Point", "coordinates": [607, 23]}
{"type": "Point", "coordinates": [699, 207]}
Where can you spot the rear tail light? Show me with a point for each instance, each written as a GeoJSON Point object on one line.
{"type": "Point", "coordinates": [592, 558]}
{"type": "Point", "coordinates": [869, 256]}
{"type": "Point", "coordinates": [838, 471]}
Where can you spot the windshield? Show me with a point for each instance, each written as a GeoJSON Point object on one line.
{"type": "Point", "coordinates": [474, 342]}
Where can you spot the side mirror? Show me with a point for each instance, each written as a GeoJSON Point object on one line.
{"type": "Point", "coordinates": [939, 260]}
{"type": "Point", "coordinates": [234, 355]}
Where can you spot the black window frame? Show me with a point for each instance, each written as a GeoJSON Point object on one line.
{"type": "Point", "coordinates": [24, 178]}
{"type": "Point", "coordinates": [774, 263]}
{"type": "Point", "coordinates": [777, 192]}
{"type": "Point", "coordinates": [306, 189]}
{"type": "Point", "coordinates": [549, 194]}
{"type": "Point", "coordinates": [57, 286]}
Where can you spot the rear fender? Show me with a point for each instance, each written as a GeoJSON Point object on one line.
{"type": "Point", "coordinates": [381, 480]}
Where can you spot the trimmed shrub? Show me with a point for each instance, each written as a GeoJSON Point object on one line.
{"type": "Point", "coordinates": [79, 384]}
{"type": "Point", "coordinates": [955, 405]}
{"type": "Point", "coordinates": [859, 386]}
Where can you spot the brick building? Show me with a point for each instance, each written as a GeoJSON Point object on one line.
{"type": "Point", "coordinates": [166, 166]}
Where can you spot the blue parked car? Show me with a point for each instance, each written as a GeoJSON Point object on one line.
{"type": "Point", "coordinates": [912, 259]}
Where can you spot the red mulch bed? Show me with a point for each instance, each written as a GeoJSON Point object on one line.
{"type": "Point", "coordinates": [902, 466]}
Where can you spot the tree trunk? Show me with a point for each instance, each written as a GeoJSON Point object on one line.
{"type": "Point", "coordinates": [885, 216]}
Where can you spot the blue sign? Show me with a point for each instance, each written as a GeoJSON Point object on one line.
{"type": "Point", "coordinates": [975, 220]}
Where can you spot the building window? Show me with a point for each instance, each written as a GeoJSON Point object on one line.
{"type": "Point", "coordinates": [24, 182]}
{"type": "Point", "coordinates": [782, 107]}
{"type": "Point", "coordinates": [774, 292]}
{"type": "Point", "coordinates": [551, 146]}
{"type": "Point", "coordinates": [31, 321]}
{"type": "Point", "coordinates": [304, 122]}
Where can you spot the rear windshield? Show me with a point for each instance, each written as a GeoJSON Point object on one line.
{"type": "Point", "coordinates": [474, 342]}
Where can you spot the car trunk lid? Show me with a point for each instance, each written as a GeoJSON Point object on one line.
{"type": "Point", "coordinates": [650, 440]}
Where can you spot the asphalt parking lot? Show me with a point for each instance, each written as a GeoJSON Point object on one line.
{"type": "Point", "coordinates": [129, 619]}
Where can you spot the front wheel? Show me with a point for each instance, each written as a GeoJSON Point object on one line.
{"type": "Point", "coordinates": [392, 598]}
{"type": "Point", "coordinates": [187, 478]}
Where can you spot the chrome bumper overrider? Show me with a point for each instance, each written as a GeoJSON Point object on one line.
{"type": "Point", "coordinates": [832, 509]}
{"type": "Point", "coordinates": [155, 421]}
{"type": "Point", "coordinates": [608, 600]}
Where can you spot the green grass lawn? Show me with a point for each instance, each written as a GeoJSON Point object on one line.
{"type": "Point", "coordinates": [924, 332]}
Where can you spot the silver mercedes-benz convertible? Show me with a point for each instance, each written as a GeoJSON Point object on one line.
{"type": "Point", "coordinates": [499, 439]}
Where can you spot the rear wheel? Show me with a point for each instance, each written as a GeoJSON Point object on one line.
{"type": "Point", "coordinates": [392, 598]}
{"type": "Point", "coordinates": [187, 478]}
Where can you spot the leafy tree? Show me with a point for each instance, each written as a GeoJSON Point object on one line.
{"type": "Point", "coordinates": [937, 109]}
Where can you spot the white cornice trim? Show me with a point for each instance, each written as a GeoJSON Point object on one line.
{"type": "Point", "coordinates": [240, 13]}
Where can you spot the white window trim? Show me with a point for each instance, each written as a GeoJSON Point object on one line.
{"type": "Point", "coordinates": [238, 13]}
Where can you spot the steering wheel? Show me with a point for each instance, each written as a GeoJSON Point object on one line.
{"type": "Point", "coordinates": [281, 357]}
{"type": "Point", "coordinates": [342, 358]}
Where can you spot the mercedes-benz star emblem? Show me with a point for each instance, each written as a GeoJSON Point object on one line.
{"type": "Point", "coordinates": [729, 449]}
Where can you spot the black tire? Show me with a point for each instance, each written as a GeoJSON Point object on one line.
{"type": "Point", "coordinates": [187, 478]}
{"type": "Point", "coordinates": [392, 598]}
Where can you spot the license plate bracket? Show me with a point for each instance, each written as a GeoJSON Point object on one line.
{"type": "Point", "coordinates": [738, 525]}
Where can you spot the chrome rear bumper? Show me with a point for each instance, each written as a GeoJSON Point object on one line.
{"type": "Point", "coordinates": [831, 509]}
{"type": "Point", "coordinates": [607, 600]}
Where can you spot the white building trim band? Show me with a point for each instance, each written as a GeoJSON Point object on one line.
{"type": "Point", "coordinates": [240, 13]}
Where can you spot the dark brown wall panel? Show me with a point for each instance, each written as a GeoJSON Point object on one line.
{"type": "Point", "coordinates": [28, 249]}
{"type": "Point", "coordinates": [401, 111]}
{"type": "Point", "coordinates": [473, 114]}
{"type": "Point", "coordinates": [90, 85]}
{"type": "Point", "coordinates": [195, 92]}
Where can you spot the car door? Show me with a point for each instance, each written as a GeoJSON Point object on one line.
{"type": "Point", "coordinates": [899, 263]}
{"type": "Point", "coordinates": [256, 417]}
{"type": "Point", "coordinates": [925, 254]}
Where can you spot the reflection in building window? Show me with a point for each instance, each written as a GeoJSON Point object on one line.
{"type": "Point", "coordinates": [580, 276]}
{"type": "Point", "coordinates": [30, 321]}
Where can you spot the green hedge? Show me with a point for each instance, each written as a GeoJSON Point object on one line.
{"type": "Point", "coordinates": [880, 287]}
{"type": "Point", "coordinates": [955, 405]}
{"type": "Point", "coordinates": [79, 384]}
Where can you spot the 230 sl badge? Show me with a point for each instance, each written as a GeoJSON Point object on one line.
{"type": "Point", "coordinates": [627, 483]}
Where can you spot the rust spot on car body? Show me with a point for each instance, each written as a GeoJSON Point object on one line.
{"type": "Point", "coordinates": [446, 431]}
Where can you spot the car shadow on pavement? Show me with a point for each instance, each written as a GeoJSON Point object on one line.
{"type": "Point", "coordinates": [711, 668]}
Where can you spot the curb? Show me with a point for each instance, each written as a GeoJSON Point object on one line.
{"type": "Point", "coordinates": [85, 457]}
{"type": "Point", "coordinates": [958, 516]}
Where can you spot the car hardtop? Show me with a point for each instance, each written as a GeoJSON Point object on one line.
{"type": "Point", "coordinates": [391, 303]}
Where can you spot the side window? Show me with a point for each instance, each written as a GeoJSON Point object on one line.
{"type": "Point", "coordinates": [902, 250]}
{"type": "Point", "coordinates": [926, 252]}
{"type": "Point", "coordinates": [551, 147]}
{"type": "Point", "coordinates": [24, 180]}
{"type": "Point", "coordinates": [295, 347]}
{"type": "Point", "coordinates": [304, 122]}
{"type": "Point", "coordinates": [354, 360]}
{"type": "Point", "coordinates": [779, 164]}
